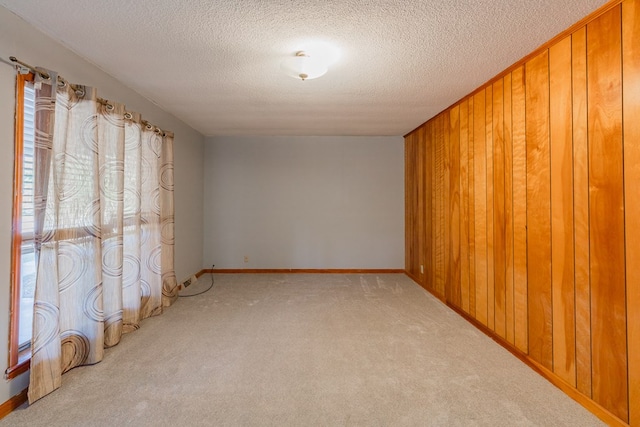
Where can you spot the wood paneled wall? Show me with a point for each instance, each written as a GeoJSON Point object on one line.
{"type": "Point", "coordinates": [523, 209]}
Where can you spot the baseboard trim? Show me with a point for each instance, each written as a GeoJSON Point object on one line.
{"type": "Point", "coordinates": [7, 407]}
{"type": "Point", "coordinates": [299, 271]}
{"type": "Point", "coordinates": [568, 389]}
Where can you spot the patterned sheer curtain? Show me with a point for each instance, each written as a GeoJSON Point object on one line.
{"type": "Point", "coordinates": [104, 228]}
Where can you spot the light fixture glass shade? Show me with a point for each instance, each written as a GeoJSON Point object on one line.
{"type": "Point", "coordinates": [303, 67]}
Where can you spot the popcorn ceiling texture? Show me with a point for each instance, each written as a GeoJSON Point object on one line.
{"type": "Point", "coordinates": [216, 64]}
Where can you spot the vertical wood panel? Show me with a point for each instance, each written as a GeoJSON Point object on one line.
{"type": "Point", "coordinates": [499, 219]}
{"type": "Point", "coordinates": [428, 218]}
{"type": "Point", "coordinates": [454, 205]}
{"type": "Point", "coordinates": [581, 211]}
{"type": "Point", "coordinates": [464, 205]}
{"type": "Point", "coordinates": [508, 212]}
{"type": "Point", "coordinates": [489, 207]}
{"type": "Point", "coordinates": [440, 220]}
{"type": "Point", "coordinates": [631, 119]}
{"type": "Point", "coordinates": [480, 205]}
{"type": "Point", "coordinates": [434, 210]}
{"type": "Point", "coordinates": [606, 213]}
{"type": "Point", "coordinates": [521, 328]}
{"type": "Point", "coordinates": [539, 211]}
{"type": "Point", "coordinates": [446, 223]}
{"type": "Point", "coordinates": [421, 223]}
{"type": "Point", "coordinates": [562, 272]}
{"type": "Point", "coordinates": [472, 222]}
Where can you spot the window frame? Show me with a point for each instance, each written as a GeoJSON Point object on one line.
{"type": "Point", "coordinates": [19, 360]}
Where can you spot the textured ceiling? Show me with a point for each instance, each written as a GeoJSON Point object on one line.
{"type": "Point", "coordinates": [216, 63]}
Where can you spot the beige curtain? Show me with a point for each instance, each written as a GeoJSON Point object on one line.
{"type": "Point", "coordinates": [104, 186]}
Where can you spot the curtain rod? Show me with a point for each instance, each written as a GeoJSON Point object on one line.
{"type": "Point", "coordinates": [29, 67]}
{"type": "Point", "coordinates": [102, 101]}
{"type": "Point", "coordinates": [34, 70]}
{"type": "Point", "coordinates": [61, 81]}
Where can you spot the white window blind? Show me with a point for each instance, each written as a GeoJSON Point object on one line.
{"type": "Point", "coordinates": [27, 251]}
{"type": "Point", "coordinates": [27, 163]}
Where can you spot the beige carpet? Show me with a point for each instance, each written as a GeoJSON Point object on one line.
{"type": "Point", "coordinates": [306, 350]}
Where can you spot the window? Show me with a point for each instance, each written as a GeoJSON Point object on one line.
{"type": "Point", "coordinates": [23, 274]}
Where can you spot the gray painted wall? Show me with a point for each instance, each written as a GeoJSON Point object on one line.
{"type": "Point", "coordinates": [304, 202]}
{"type": "Point", "coordinates": [20, 39]}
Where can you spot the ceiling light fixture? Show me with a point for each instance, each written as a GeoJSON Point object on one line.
{"type": "Point", "coordinates": [302, 66]}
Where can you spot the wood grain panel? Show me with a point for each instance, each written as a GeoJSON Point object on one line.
{"type": "Point", "coordinates": [508, 213]}
{"type": "Point", "coordinates": [440, 197]}
{"type": "Point", "coordinates": [472, 223]}
{"type": "Point", "coordinates": [521, 328]}
{"type": "Point", "coordinates": [606, 213]}
{"type": "Point", "coordinates": [464, 205]}
{"type": "Point", "coordinates": [581, 211]}
{"type": "Point", "coordinates": [480, 204]}
{"type": "Point", "coordinates": [446, 187]}
{"type": "Point", "coordinates": [490, 246]}
{"type": "Point", "coordinates": [454, 205]}
{"type": "Point", "coordinates": [418, 243]}
{"type": "Point", "coordinates": [539, 216]}
{"type": "Point", "coordinates": [499, 219]}
{"type": "Point", "coordinates": [434, 204]}
{"type": "Point", "coordinates": [631, 108]}
{"type": "Point", "coordinates": [427, 284]}
{"type": "Point", "coordinates": [421, 206]}
{"type": "Point", "coordinates": [562, 271]}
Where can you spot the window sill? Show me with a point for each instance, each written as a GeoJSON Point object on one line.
{"type": "Point", "coordinates": [24, 363]}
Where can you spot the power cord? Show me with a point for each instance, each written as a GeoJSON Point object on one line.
{"type": "Point", "coordinates": [202, 292]}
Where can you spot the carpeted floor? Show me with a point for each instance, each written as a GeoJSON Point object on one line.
{"type": "Point", "coordinates": [306, 350]}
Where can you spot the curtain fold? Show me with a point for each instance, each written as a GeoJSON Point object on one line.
{"type": "Point", "coordinates": [167, 222]}
{"type": "Point", "coordinates": [110, 129]}
{"type": "Point", "coordinates": [46, 305]}
{"type": "Point", "coordinates": [131, 287]}
{"type": "Point", "coordinates": [105, 236]}
{"type": "Point", "coordinates": [150, 274]}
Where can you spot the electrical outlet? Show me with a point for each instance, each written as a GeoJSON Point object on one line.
{"type": "Point", "coordinates": [246, 258]}
{"type": "Point", "coordinates": [421, 269]}
{"type": "Point", "coordinates": [187, 282]}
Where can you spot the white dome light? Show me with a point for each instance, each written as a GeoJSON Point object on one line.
{"type": "Point", "coordinates": [303, 66]}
